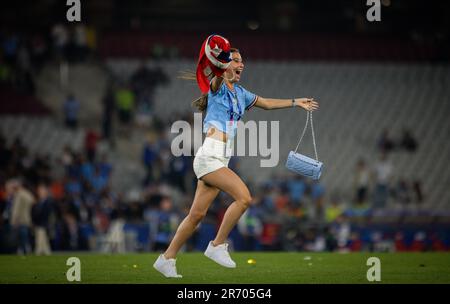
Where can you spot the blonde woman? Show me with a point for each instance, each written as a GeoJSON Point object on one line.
{"type": "Point", "coordinates": [224, 105]}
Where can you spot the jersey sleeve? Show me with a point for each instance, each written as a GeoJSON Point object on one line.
{"type": "Point", "coordinates": [250, 98]}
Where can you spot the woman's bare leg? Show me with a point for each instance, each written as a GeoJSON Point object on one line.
{"type": "Point", "coordinates": [204, 196]}
{"type": "Point", "coordinates": [229, 182]}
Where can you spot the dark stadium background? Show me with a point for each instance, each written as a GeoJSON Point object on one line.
{"type": "Point", "coordinates": [109, 169]}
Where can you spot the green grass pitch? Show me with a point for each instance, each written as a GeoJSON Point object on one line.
{"type": "Point", "coordinates": [269, 268]}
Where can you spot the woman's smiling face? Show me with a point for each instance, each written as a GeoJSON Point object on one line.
{"type": "Point", "coordinates": [236, 66]}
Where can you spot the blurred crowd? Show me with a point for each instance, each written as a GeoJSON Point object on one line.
{"type": "Point", "coordinates": [22, 55]}
{"type": "Point", "coordinates": [66, 202]}
{"type": "Point", "coordinates": [375, 186]}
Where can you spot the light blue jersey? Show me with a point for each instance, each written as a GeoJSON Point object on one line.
{"type": "Point", "coordinates": [226, 107]}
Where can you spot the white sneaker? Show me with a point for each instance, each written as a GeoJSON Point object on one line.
{"type": "Point", "coordinates": [220, 255]}
{"type": "Point", "coordinates": [166, 267]}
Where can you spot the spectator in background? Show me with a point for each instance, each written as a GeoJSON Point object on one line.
{"type": "Point", "coordinates": [408, 142]}
{"type": "Point", "coordinates": [115, 238]}
{"type": "Point", "coordinates": [39, 170]}
{"type": "Point", "coordinates": [70, 237]}
{"type": "Point", "coordinates": [399, 242]}
{"type": "Point", "coordinates": [282, 199]}
{"type": "Point", "coordinates": [164, 160]}
{"type": "Point", "coordinates": [73, 187]}
{"type": "Point", "coordinates": [90, 144]}
{"type": "Point", "coordinates": [333, 211]}
{"type": "Point", "coordinates": [125, 102]}
{"type": "Point", "coordinates": [98, 182]}
{"type": "Point", "coordinates": [144, 81]}
{"type": "Point", "coordinates": [362, 181]}
{"type": "Point", "coordinates": [385, 143]}
{"type": "Point", "coordinates": [317, 197]}
{"type": "Point", "coordinates": [268, 200]}
{"type": "Point", "coordinates": [91, 38]}
{"type": "Point", "coordinates": [383, 171]}
{"type": "Point", "coordinates": [178, 170]}
{"type": "Point", "coordinates": [60, 39]}
{"type": "Point", "coordinates": [74, 168]}
{"type": "Point", "coordinates": [20, 220]}
{"type": "Point", "coordinates": [67, 159]}
{"type": "Point", "coordinates": [419, 241]}
{"type": "Point", "coordinates": [417, 187]}
{"type": "Point", "coordinates": [149, 157]}
{"type": "Point", "coordinates": [297, 188]}
{"type": "Point", "coordinates": [87, 169]}
{"type": "Point", "coordinates": [168, 221]}
{"type": "Point", "coordinates": [250, 227]}
{"type": "Point", "coordinates": [330, 239]}
{"type": "Point", "coordinates": [141, 80]}
{"type": "Point", "coordinates": [105, 166]}
{"type": "Point", "coordinates": [80, 42]}
{"type": "Point", "coordinates": [355, 243]}
{"type": "Point", "coordinates": [402, 192]}
{"type": "Point", "coordinates": [41, 213]}
{"type": "Point", "coordinates": [342, 230]}
{"type": "Point", "coordinates": [71, 109]}
{"type": "Point", "coordinates": [8, 237]}
{"type": "Point", "coordinates": [108, 110]}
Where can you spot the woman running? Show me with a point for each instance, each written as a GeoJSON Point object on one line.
{"type": "Point", "coordinates": [225, 104]}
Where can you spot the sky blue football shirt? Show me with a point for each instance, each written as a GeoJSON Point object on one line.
{"type": "Point", "coordinates": [226, 107]}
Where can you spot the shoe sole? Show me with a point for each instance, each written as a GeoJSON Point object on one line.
{"type": "Point", "coordinates": [224, 265]}
{"type": "Point", "coordinates": [179, 276]}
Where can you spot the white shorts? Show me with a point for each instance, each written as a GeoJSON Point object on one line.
{"type": "Point", "coordinates": [211, 156]}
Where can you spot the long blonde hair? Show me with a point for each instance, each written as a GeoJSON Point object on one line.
{"type": "Point", "coordinates": [200, 103]}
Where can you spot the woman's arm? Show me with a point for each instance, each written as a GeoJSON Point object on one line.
{"type": "Point", "coordinates": [217, 81]}
{"type": "Point", "coordinates": [308, 104]}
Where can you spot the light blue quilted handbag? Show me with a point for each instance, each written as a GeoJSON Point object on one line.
{"type": "Point", "coordinates": [302, 164]}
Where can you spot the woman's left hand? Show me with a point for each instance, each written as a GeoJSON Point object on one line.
{"type": "Point", "coordinates": [309, 104]}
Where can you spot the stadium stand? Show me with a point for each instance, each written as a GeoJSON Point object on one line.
{"type": "Point", "coordinates": [357, 102]}
{"type": "Point", "coordinates": [135, 185]}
